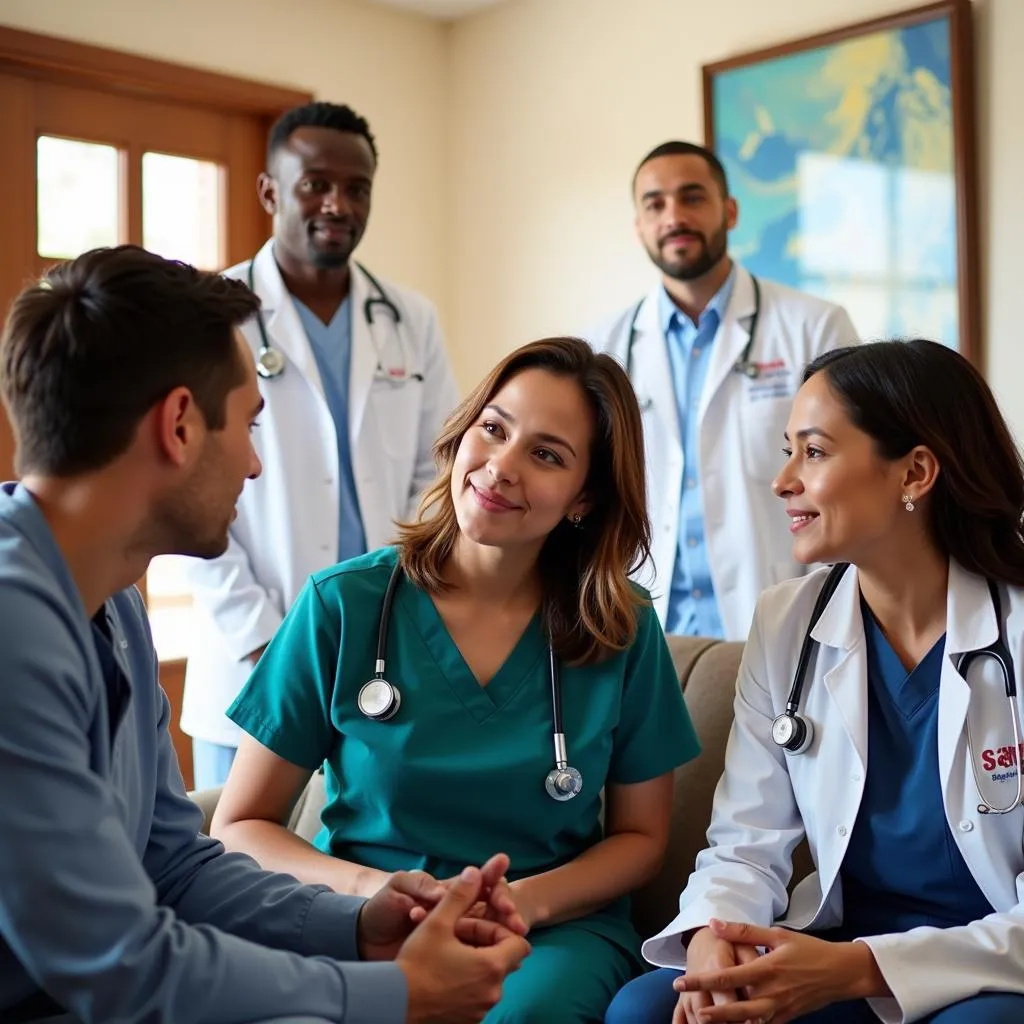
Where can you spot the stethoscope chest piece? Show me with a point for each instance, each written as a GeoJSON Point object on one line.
{"type": "Point", "coordinates": [379, 700]}
{"type": "Point", "coordinates": [792, 732]}
{"type": "Point", "coordinates": [563, 783]}
{"type": "Point", "coordinates": [270, 363]}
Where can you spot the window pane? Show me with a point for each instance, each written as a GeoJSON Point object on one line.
{"type": "Point", "coordinates": [181, 209]}
{"type": "Point", "coordinates": [77, 196]}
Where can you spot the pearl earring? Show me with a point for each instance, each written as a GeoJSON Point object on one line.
{"type": "Point", "coordinates": [908, 503]}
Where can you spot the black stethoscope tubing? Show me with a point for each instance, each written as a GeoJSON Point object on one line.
{"type": "Point", "coordinates": [270, 362]}
{"type": "Point", "coordinates": [743, 365]}
{"type": "Point", "coordinates": [794, 733]}
{"type": "Point", "coordinates": [380, 700]}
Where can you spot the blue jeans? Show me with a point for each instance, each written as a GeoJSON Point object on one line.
{"type": "Point", "coordinates": [650, 999]}
{"type": "Point", "coordinates": [211, 763]}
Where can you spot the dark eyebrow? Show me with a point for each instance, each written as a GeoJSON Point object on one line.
{"type": "Point", "coordinates": [546, 438]}
{"type": "Point", "coordinates": [802, 435]}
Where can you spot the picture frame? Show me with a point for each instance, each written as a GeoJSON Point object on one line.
{"type": "Point", "coordinates": [852, 158]}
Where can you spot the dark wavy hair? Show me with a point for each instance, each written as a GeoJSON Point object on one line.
{"type": "Point", "coordinates": [589, 605]}
{"type": "Point", "coordinates": [909, 393]}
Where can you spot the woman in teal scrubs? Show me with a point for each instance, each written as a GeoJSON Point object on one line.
{"type": "Point", "coordinates": [527, 539]}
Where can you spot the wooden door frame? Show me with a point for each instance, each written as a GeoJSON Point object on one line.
{"type": "Point", "coordinates": [31, 55]}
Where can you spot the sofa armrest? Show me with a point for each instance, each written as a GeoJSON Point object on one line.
{"type": "Point", "coordinates": [206, 800]}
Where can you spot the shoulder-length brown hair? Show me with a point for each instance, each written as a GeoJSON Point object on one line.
{"type": "Point", "coordinates": [589, 606]}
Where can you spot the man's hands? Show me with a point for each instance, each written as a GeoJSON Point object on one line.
{"type": "Point", "coordinates": [497, 901]}
{"type": "Point", "coordinates": [455, 964]}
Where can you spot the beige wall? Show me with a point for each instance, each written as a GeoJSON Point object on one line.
{"type": "Point", "coordinates": [389, 65]}
{"type": "Point", "coordinates": [554, 101]}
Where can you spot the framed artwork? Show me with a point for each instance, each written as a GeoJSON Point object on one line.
{"type": "Point", "coordinates": [851, 155]}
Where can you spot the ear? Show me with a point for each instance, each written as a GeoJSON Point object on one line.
{"type": "Point", "coordinates": [921, 472]}
{"type": "Point", "coordinates": [732, 212]}
{"type": "Point", "coordinates": [266, 190]}
{"type": "Point", "coordinates": [179, 427]}
{"type": "Point", "coordinates": [581, 507]}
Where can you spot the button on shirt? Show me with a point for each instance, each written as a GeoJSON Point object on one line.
{"type": "Point", "coordinates": [332, 347]}
{"type": "Point", "coordinates": [692, 608]}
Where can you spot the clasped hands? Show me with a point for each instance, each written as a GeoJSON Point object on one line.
{"type": "Point", "coordinates": [388, 918]}
{"type": "Point", "coordinates": [729, 980]}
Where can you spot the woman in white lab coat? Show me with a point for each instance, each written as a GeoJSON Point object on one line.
{"type": "Point", "coordinates": [906, 784]}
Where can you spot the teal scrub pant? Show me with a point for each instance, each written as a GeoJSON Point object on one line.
{"type": "Point", "coordinates": [569, 977]}
{"type": "Point", "coordinates": [650, 999]}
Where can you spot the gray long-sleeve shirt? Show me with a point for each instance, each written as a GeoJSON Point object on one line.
{"type": "Point", "coordinates": [111, 902]}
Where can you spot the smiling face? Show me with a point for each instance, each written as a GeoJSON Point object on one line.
{"type": "Point", "coordinates": [318, 192]}
{"type": "Point", "coordinates": [843, 499]}
{"type": "Point", "coordinates": [522, 466]}
{"type": "Point", "coordinates": [682, 217]}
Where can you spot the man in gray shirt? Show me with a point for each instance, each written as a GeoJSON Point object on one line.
{"type": "Point", "coordinates": [132, 401]}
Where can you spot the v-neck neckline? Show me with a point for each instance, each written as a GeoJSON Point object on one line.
{"type": "Point", "coordinates": [907, 691]}
{"type": "Point", "coordinates": [517, 668]}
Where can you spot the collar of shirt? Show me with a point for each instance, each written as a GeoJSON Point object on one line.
{"type": "Point", "coordinates": [673, 319]}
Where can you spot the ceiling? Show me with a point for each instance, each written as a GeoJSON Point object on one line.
{"type": "Point", "coordinates": [445, 10]}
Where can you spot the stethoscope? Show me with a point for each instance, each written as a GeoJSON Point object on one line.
{"type": "Point", "coordinates": [380, 700]}
{"type": "Point", "coordinates": [270, 362]}
{"type": "Point", "coordinates": [794, 733]}
{"type": "Point", "coordinates": [744, 365]}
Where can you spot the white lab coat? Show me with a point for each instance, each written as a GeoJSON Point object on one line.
{"type": "Point", "coordinates": [742, 423]}
{"type": "Point", "coordinates": [767, 800]}
{"type": "Point", "coordinates": [287, 525]}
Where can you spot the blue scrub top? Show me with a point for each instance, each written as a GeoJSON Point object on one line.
{"type": "Point", "coordinates": [903, 868]}
{"type": "Point", "coordinates": [332, 347]}
{"type": "Point", "coordinates": [458, 774]}
{"type": "Point", "coordinates": [692, 605]}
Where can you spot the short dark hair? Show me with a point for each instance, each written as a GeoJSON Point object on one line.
{"type": "Point", "coordinates": [908, 393]}
{"type": "Point", "coordinates": [675, 148]}
{"type": "Point", "coordinates": [318, 115]}
{"type": "Point", "coordinates": [88, 350]}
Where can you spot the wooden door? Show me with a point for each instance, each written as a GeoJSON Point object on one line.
{"type": "Point", "coordinates": [102, 148]}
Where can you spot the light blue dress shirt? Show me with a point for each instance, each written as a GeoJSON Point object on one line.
{"type": "Point", "coordinates": [692, 607]}
{"type": "Point", "coordinates": [332, 347]}
{"type": "Point", "coordinates": [112, 905]}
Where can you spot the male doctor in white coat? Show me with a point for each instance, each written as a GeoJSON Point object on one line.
{"type": "Point", "coordinates": [357, 384]}
{"type": "Point", "coordinates": [715, 358]}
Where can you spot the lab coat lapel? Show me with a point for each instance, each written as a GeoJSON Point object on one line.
{"type": "Point", "coordinates": [970, 626]}
{"type": "Point", "coordinates": [651, 370]}
{"type": "Point", "coordinates": [365, 350]}
{"type": "Point", "coordinates": [731, 338]}
{"type": "Point", "coordinates": [283, 326]}
{"type": "Point", "coordinates": [841, 630]}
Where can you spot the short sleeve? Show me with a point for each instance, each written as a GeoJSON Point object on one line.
{"type": "Point", "coordinates": [654, 734]}
{"type": "Point", "coordinates": [286, 702]}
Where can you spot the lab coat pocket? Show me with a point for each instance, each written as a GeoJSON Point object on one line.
{"type": "Point", "coordinates": [396, 412]}
{"type": "Point", "coordinates": [763, 426]}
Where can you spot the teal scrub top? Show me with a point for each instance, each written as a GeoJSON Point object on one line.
{"type": "Point", "coordinates": [458, 774]}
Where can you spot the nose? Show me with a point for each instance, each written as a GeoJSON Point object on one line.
{"type": "Point", "coordinates": [787, 482]}
{"type": "Point", "coordinates": [334, 202]}
{"type": "Point", "coordinates": [502, 465]}
{"type": "Point", "coordinates": [255, 466]}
